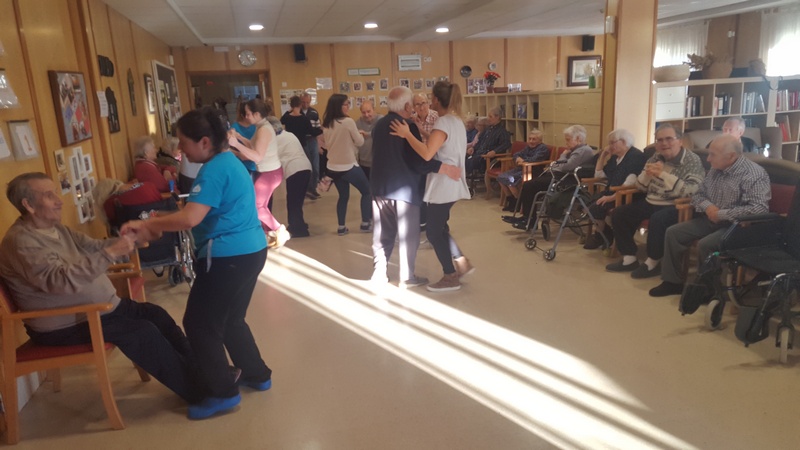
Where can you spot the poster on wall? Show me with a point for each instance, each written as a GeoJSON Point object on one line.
{"type": "Point", "coordinates": [167, 100]}
{"type": "Point", "coordinates": [71, 103]}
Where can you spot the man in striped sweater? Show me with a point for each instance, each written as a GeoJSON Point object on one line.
{"type": "Point", "coordinates": [673, 172]}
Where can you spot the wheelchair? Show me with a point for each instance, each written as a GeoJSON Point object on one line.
{"type": "Point", "coordinates": [769, 245]}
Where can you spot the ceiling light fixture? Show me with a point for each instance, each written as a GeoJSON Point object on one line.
{"type": "Point", "coordinates": [256, 27]}
{"type": "Point", "coordinates": [370, 25]}
{"type": "Point", "coordinates": [443, 30]}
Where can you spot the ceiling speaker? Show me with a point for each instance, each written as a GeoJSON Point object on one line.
{"type": "Point", "coordinates": [299, 53]}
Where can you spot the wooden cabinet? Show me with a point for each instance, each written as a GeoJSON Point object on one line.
{"type": "Point", "coordinates": [707, 104]}
{"type": "Point", "coordinates": [549, 111]}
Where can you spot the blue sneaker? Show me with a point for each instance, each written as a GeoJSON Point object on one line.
{"type": "Point", "coordinates": [257, 385]}
{"type": "Point", "coordinates": [213, 405]}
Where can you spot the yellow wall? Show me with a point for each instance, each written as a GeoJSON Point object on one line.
{"type": "Point", "coordinates": [532, 61]}
{"type": "Point", "coordinates": [67, 35]}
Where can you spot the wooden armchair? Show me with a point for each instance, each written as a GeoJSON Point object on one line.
{"type": "Point", "coordinates": [29, 358]}
{"type": "Point", "coordinates": [529, 168]}
{"type": "Point", "coordinates": [497, 164]}
{"type": "Point", "coordinates": [127, 278]}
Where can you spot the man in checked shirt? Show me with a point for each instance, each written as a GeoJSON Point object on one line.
{"type": "Point", "coordinates": [734, 187]}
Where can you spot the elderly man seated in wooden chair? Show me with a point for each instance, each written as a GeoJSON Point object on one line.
{"type": "Point", "coordinates": [47, 265]}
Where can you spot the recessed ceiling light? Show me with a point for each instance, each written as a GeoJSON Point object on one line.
{"type": "Point", "coordinates": [370, 25]}
{"type": "Point", "coordinates": [256, 27]}
{"type": "Point", "coordinates": [443, 30]}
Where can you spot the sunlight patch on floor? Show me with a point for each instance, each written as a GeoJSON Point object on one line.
{"type": "Point", "coordinates": [548, 392]}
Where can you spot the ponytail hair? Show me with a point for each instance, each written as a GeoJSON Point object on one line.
{"type": "Point", "coordinates": [204, 122]}
{"type": "Point", "coordinates": [449, 96]}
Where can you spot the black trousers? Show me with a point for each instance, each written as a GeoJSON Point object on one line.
{"type": "Point", "coordinates": [530, 189]}
{"type": "Point", "coordinates": [438, 233]}
{"type": "Point", "coordinates": [296, 187]}
{"type": "Point", "coordinates": [148, 336]}
{"type": "Point", "coordinates": [214, 321]}
{"type": "Point", "coordinates": [626, 220]}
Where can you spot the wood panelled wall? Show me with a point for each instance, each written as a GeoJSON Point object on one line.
{"type": "Point", "coordinates": [532, 61]}
{"type": "Point", "coordinates": [67, 35]}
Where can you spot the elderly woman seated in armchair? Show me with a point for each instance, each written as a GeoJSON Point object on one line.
{"type": "Point", "coordinates": [620, 163]}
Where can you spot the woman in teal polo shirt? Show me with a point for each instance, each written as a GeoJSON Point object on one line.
{"type": "Point", "coordinates": [231, 251]}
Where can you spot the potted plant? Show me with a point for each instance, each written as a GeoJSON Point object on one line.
{"type": "Point", "coordinates": [490, 78]}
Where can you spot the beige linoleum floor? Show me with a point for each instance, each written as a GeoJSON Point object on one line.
{"type": "Point", "coordinates": [528, 355]}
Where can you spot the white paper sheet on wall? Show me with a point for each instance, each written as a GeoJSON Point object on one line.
{"type": "Point", "coordinates": [5, 150]}
{"type": "Point", "coordinates": [324, 83]}
{"type": "Point", "coordinates": [101, 97]}
{"type": "Point", "coordinates": [8, 99]}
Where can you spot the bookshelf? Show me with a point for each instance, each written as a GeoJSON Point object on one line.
{"type": "Point", "coordinates": [549, 111]}
{"type": "Point", "coordinates": [706, 104]}
{"type": "Point", "coordinates": [786, 98]}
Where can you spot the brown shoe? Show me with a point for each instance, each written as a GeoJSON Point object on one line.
{"type": "Point", "coordinates": [449, 282]}
{"type": "Point", "coordinates": [463, 266]}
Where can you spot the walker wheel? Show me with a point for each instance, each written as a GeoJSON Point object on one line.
{"type": "Point", "coordinates": [550, 255]}
{"type": "Point", "coordinates": [714, 312]}
{"type": "Point", "coordinates": [530, 244]}
{"type": "Point", "coordinates": [785, 343]}
{"type": "Point", "coordinates": [175, 276]}
{"type": "Point", "coordinates": [546, 231]}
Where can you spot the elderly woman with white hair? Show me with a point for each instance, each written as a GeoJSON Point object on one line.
{"type": "Point", "coordinates": [578, 154]}
{"type": "Point", "coordinates": [145, 168]}
{"type": "Point", "coordinates": [620, 163]}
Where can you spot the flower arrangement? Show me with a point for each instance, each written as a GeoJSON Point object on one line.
{"type": "Point", "coordinates": [491, 77]}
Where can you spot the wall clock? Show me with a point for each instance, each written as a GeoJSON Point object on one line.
{"type": "Point", "coordinates": [492, 65]}
{"type": "Point", "coordinates": [247, 58]}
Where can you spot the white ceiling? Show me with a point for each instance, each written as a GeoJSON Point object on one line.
{"type": "Point", "coordinates": [224, 22]}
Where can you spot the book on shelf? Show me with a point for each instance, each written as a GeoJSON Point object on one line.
{"type": "Point", "coordinates": [783, 124]}
{"type": "Point", "coordinates": [787, 100]}
{"type": "Point", "coordinates": [722, 104]}
{"type": "Point", "coordinates": [753, 103]}
{"type": "Point", "coordinates": [522, 111]}
{"type": "Point", "coordinates": [694, 106]}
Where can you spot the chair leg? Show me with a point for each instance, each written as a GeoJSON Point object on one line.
{"type": "Point", "coordinates": [145, 377]}
{"type": "Point", "coordinates": [103, 379]}
{"type": "Point", "coordinates": [54, 375]}
{"type": "Point", "coordinates": [10, 406]}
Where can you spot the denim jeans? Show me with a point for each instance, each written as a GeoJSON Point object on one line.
{"type": "Point", "coordinates": [342, 181]}
{"type": "Point", "coordinates": [312, 151]}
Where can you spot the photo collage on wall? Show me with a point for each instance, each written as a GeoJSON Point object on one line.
{"type": "Point", "coordinates": [366, 86]}
{"type": "Point", "coordinates": [80, 179]}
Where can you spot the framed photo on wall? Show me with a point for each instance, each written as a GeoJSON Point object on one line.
{"type": "Point", "coordinates": [580, 68]}
{"type": "Point", "coordinates": [72, 106]}
{"type": "Point", "coordinates": [167, 100]}
{"type": "Point", "coordinates": [25, 146]}
{"type": "Point", "coordinates": [150, 94]}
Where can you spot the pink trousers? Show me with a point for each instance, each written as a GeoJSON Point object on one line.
{"type": "Point", "coordinates": [265, 185]}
